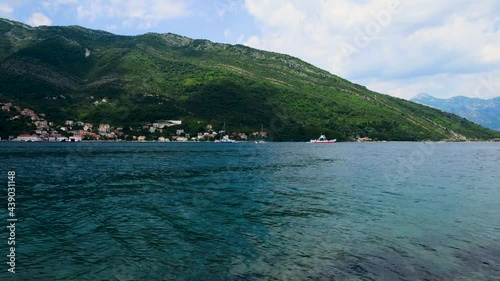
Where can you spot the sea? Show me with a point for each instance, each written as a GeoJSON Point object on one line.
{"type": "Point", "coordinates": [246, 211]}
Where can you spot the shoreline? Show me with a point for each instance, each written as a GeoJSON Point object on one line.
{"type": "Point", "coordinates": [117, 141]}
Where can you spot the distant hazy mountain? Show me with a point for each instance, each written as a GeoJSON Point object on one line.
{"type": "Point", "coordinates": [481, 111]}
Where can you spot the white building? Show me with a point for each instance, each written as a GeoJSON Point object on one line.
{"type": "Point", "coordinates": [28, 137]}
{"type": "Point", "coordinates": [57, 137]}
{"type": "Point", "coordinates": [104, 128]}
{"type": "Point", "coordinates": [76, 138]}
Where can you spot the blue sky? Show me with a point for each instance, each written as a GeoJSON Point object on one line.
{"type": "Point", "coordinates": [397, 47]}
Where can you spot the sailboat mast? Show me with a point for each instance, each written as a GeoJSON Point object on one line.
{"type": "Point", "coordinates": [223, 130]}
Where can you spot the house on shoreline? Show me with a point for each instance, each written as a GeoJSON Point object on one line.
{"type": "Point", "coordinates": [28, 137]}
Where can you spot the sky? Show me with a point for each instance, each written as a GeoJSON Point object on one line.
{"type": "Point", "coordinates": [398, 47]}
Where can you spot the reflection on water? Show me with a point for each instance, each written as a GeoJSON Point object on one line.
{"type": "Point", "coordinates": [280, 211]}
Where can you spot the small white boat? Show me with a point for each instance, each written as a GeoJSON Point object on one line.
{"type": "Point", "coordinates": [261, 141]}
{"type": "Point", "coordinates": [323, 139]}
{"type": "Point", "coordinates": [224, 139]}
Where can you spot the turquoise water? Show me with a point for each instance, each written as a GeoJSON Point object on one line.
{"type": "Point", "coordinates": [276, 211]}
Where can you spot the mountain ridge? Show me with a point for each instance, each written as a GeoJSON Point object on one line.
{"type": "Point", "coordinates": [485, 112]}
{"type": "Point", "coordinates": [169, 76]}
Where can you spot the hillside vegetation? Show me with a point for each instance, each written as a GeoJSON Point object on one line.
{"type": "Point", "coordinates": [67, 72]}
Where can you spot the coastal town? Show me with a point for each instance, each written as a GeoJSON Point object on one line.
{"type": "Point", "coordinates": [36, 128]}
{"type": "Point", "coordinates": [43, 130]}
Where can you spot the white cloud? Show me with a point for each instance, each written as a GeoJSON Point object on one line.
{"type": "Point", "coordinates": [223, 7]}
{"type": "Point", "coordinates": [133, 13]}
{"type": "Point", "coordinates": [64, 2]}
{"type": "Point", "coordinates": [38, 19]}
{"type": "Point", "coordinates": [253, 41]}
{"type": "Point", "coordinates": [408, 88]}
{"type": "Point", "coordinates": [491, 53]}
{"type": "Point", "coordinates": [227, 33]}
{"type": "Point", "coordinates": [478, 85]}
{"type": "Point", "coordinates": [53, 7]}
{"type": "Point", "coordinates": [111, 27]}
{"type": "Point", "coordinates": [6, 10]}
{"type": "Point", "coordinates": [241, 39]}
{"type": "Point", "coordinates": [386, 43]}
{"type": "Point", "coordinates": [275, 13]}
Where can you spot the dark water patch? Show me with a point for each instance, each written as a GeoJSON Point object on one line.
{"type": "Point", "coordinates": [427, 247]}
{"type": "Point", "coordinates": [481, 262]}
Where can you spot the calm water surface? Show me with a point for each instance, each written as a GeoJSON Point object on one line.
{"type": "Point", "coordinates": [277, 211]}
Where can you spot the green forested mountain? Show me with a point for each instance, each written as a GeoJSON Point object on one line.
{"type": "Point", "coordinates": [95, 76]}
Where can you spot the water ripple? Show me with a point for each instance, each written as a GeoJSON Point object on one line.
{"type": "Point", "coordinates": [124, 211]}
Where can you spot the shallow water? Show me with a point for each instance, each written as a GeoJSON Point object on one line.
{"type": "Point", "coordinates": [275, 211]}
